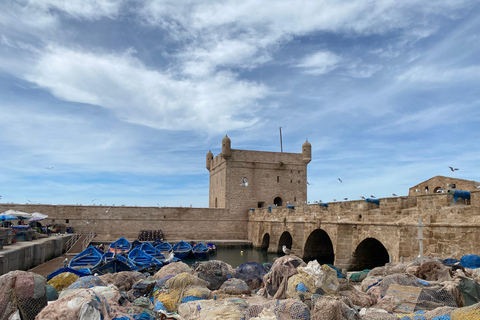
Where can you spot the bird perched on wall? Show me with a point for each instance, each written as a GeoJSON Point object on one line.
{"type": "Point", "coordinates": [65, 261]}
{"type": "Point", "coordinates": [340, 180]}
{"type": "Point", "coordinates": [345, 199]}
{"type": "Point", "coordinates": [372, 196]}
{"type": "Point", "coordinates": [452, 169]}
{"type": "Point", "coordinates": [393, 194]}
{"type": "Point", "coordinates": [334, 199]}
{"type": "Point", "coordinates": [440, 190]}
{"type": "Point", "coordinates": [362, 197]}
{"type": "Point", "coordinates": [244, 182]}
{"type": "Point", "coordinates": [286, 250]}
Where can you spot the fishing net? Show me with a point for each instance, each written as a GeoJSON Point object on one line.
{"type": "Point", "coordinates": [213, 310]}
{"type": "Point", "coordinates": [122, 280]}
{"type": "Point", "coordinates": [83, 304]}
{"type": "Point", "coordinates": [411, 293]}
{"type": "Point", "coordinates": [63, 280]}
{"type": "Point", "coordinates": [359, 276]}
{"type": "Point", "coordinates": [467, 313]}
{"type": "Point", "coordinates": [179, 287]}
{"type": "Point", "coordinates": [370, 281]}
{"type": "Point", "coordinates": [358, 298]}
{"type": "Point", "coordinates": [433, 271]}
{"type": "Point", "coordinates": [87, 282]}
{"type": "Point", "coordinates": [301, 287]}
{"type": "Point", "coordinates": [141, 288]}
{"type": "Point", "coordinates": [172, 268]}
{"type": "Point", "coordinates": [215, 272]}
{"type": "Point", "coordinates": [235, 286]}
{"type": "Point", "coordinates": [334, 308]}
{"type": "Point", "coordinates": [287, 309]}
{"type": "Point", "coordinates": [52, 293]}
{"type": "Point", "coordinates": [471, 261]}
{"type": "Point", "coordinates": [389, 268]}
{"type": "Point", "coordinates": [330, 284]}
{"type": "Point", "coordinates": [24, 292]}
{"type": "Point", "coordinates": [376, 314]}
{"type": "Point", "coordinates": [275, 282]}
{"type": "Point", "coordinates": [252, 273]}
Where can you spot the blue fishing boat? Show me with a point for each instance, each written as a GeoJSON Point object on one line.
{"type": "Point", "coordinates": [147, 247]}
{"type": "Point", "coordinates": [110, 256]}
{"type": "Point", "coordinates": [67, 269]}
{"type": "Point", "coordinates": [112, 266]}
{"type": "Point", "coordinates": [120, 245]}
{"type": "Point", "coordinates": [88, 258]}
{"type": "Point", "coordinates": [212, 247]}
{"type": "Point", "coordinates": [164, 246]}
{"type": "Point", "coordinates": [143, 260]}
{"type": "Point", "coordinates": [200, 250]}
{"type": "Point", "coordinates": [182, 249]}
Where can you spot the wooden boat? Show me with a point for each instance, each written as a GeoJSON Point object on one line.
{"type": "Point", "coordinates": [200, 250]}
{"type": "Point", "coordinates": [88, 258]}
{"type": "Point", "coordinates": [147, 247]}
{"type": "Point", "coordinates": [182, 249]}
{"type": "Point", "coordinates": [110, 256]}
{"type": "Point", "coordinates": [112, 266]}
{"type": "Point", "coordinates": [143, 260]}
{"type": "Point", "coordinates": [76, 272]}
{"type": "Point", "coordinates": [164, 246]}
{"type": "Point", "coordinates": [120, 245]}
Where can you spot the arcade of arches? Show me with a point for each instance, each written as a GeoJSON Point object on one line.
{"type": "Point", "coordinates": [370, 253]}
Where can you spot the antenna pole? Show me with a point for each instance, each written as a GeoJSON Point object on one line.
{"type": "Point", "coordinates": [281, 146]}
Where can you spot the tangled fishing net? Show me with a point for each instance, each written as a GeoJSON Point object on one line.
{"type": "Point", "coordinates": [334, 308]}
{"type": "Point", "coordinates": [24, 292]}
{"type": "Point", "coordinates": [287, 309]}
{"type": "Point", "coordinates": [182, 288]}
{"type": "Point", "coordinates": [433, 271]}
{"type": "Point", "coordinates": [252, 273]}
{"type": "Point", "coordinates": [63, 280]}
{"type": "Point", "coordinates": [214, 272]}
{"type": "Point", "coordinates": [275, 282]}
{"type": "Point", "coordinates": [122, 280]}
{"type": "Point", "coordinates": [84, 304]}
{"type": "Point", "coordinates": [87, 282]}
{"type": "Point", "coordinates": [388, 269]}
{"type": "Point", "coordinates": [234, 286]}
{"type": "Point", "coordinates": [301, 287]}
{"type": "Point", "coordinates": [358, 298]}
{"type": "Point", "coordinates": [232, 309]}
{"type": "Point", "coordinates": [172, 268]}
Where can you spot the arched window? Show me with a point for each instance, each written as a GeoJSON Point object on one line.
{"type": "Point", "coordinates": [277, 201]}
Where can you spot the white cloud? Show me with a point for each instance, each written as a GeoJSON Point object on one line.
{"type": "Point", "coordinates": [319, 63]}
{"type": "Point", "coordinates": [85, 9]}
{"type": "Point", "coordinates": [439, 74]}
{"type": "Point", "coordinates": [148, 97]}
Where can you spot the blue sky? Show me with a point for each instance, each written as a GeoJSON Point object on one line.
{"type": "Point", "coordinates": [118, 102]}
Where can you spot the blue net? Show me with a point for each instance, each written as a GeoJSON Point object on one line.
{"type": "Point", "coordinates": [301, 287]}
{"type": "Point", "coordinates": [191, 298]}
{"type": "Point", "coordinates": [471, 261]}
{"type": "Point", "coordinates": [252, 273]}
{"type": "Point", "coordinates": [87, 282]}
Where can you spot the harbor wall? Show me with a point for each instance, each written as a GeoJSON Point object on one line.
{"type": "Point", "coordinates": [111, 223]}
{"type": "Point", "coordinates": [29, 254]}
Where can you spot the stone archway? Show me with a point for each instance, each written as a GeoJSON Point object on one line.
{"type": "Point", "coordinates": [319, 246]}
{"type": "Point", "coordinates": [265, 242]}
{"type": "Point", "coordinates": [277, 201]}
{"type": "Point", "coordinates": [370, 253]}
{"type": "Point", "coordinates": [285, 239]}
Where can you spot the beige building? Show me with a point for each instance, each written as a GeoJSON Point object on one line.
{"type": "Point", "coordinates": [244, 179]}
{"type": "Point", "coordinates": [440, 184]}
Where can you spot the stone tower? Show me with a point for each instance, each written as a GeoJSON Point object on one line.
{"type": "Point", "coordinates": [274, 178]}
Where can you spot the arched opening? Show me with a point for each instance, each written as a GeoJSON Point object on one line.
{"type": "Point", "coordinates": [285, 239]}
{"type": "Point", "coordinates": [369, 254]}
{"type": "Point", "coordinates": [277, 201]}
{"type": "Point", "coordinates": [265, 241]}
{"type": "Point", "coordinates": [319, 247]}
{"type": "Point", "coordinates": [438, 190]}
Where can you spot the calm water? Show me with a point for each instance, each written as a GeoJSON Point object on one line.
{"type": "Point", "coordinates": [238, 256]}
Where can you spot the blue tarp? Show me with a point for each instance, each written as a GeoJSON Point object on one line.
{"type": "Point", "coordinates": [373, 200]}
{"type": "Point", "coordinates": [324, 204]}
{"type": "Point", "coordinates": [471, 261]}
{"type": "Point", "coordinates": [290, 206]}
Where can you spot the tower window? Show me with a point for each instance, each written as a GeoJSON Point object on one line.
{"type": "Point", "coordinates": [261, 204]}
{"type": "Point", "coordinates": [278, 179]}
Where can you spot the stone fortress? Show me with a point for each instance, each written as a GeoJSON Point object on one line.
{"type": "Point", "coordinates": [271, 211]}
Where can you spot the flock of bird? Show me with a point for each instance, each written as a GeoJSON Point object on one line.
{"type": "Point", "coordinates": [440, 190]}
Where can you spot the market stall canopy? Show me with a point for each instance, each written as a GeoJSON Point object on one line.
{"type": "Point", "coordinates": [19, 214]}
{"type": "Point", "coordinates": [37, 216]}
{"type": "Point", "coordinates": [5, 217]}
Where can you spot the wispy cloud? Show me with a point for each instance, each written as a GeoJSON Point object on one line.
{"type": "Point", "coordinates": [319, 63]}
{"type": "Point", "coordinates": [440, 74]}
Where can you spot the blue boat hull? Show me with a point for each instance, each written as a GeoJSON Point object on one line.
{"type": "Point", "coordinates": [182, 249]}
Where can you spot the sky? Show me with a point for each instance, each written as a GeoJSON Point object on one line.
{"type": "Point", "coordinates": [118, 102]}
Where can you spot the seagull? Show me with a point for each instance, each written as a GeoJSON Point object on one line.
{"type": "Point", "coordinates": [452, 169]}
{"type": "Point", "coordinates": [393, 194]}
{"type": "Point", "coordinates": [362, 197]}
{"type": "Point", "coordinates": [94, 200]}
{"type": "Point", "coordinates": [339, 180]}
{"type": "Point", "coordinates": [451, 185]}
{"type": "Point", "coordinates": [372, 196]}
{"type": "Point", "coordinates": [244, 182]}
{"type": "Point", "coordinates": [345, 198]}
{"type": "Point", "coordinates": [334, 199]}
{"type": "Point", "coordinates": [417, 190]}
{"type": "Point", "coordinates": [440, 190]}
{"type": "Point", "coordinates": [427, 191]}
{"type": "Point", "coordinates": [286, 250]}
{"type": "Point", "coordinates": [65, 261]}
